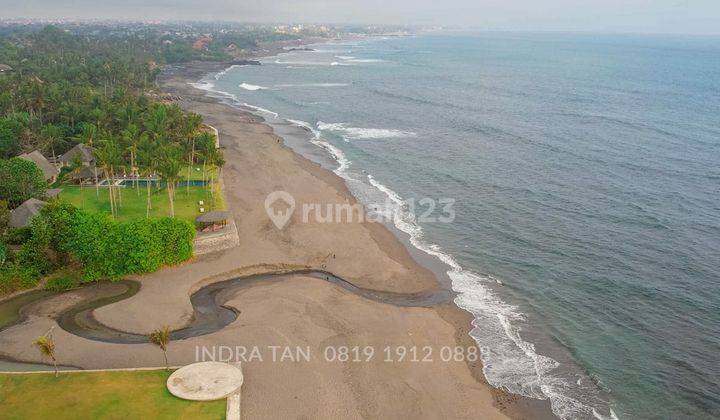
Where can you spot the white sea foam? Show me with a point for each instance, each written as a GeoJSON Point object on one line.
{"type": "Point", "coordinates": [304, 125]}
{"type": "Point", "coordinates": [260, 110]}
{"type": "Point", "coordinates": [311, 63]}
{"type": "Point", "coordinates": [203, 85]}
{"type": "Point", "coordinates": [248, 86]}
{"type": "Point", "coordinates": [364, 60]}
{"type": "Point", "coordinates": [508, 361]}
{"type": "Point", "coordinates": [354, 133]}
{"type": "Point", "coordinates": [291, 85]}
{"type": "Point", "coordinates": [220, 74]}
{"type": "Point", "coordinates": [337, 154]}
{"type": "Point", "coordinates": [332, 51]}
{"type": "Point", "coordinates": [345, 57]}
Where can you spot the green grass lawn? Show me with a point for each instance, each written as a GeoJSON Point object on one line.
{"type": "Point", "coordinates": [98, 395]}
{"type": "Point", "coordinates": [134, 201]}
{"type": "Point", "coordinates": [196, 173]}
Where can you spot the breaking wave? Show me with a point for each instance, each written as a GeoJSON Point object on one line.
{"type": "Point", "coordinates": [291, 85]}
{"type": "Point", "coordinates": [354, 133]}
{"type": "Point", "coordinates": [248, 86]}
{"type": "Point", "coordinates": [509, 362]}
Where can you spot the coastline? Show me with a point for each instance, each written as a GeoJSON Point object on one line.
{"type": "Point", "coordinates": [515, 406]}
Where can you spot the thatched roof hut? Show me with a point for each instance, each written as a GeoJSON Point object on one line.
{"type": "Point", "coordinates": [50, 172]}
{"type": "Point", "coordinates": [88, 173]}
{"type": "Point", "coordinates": [22, 216]}
{"type": "Point", "coordinates": [86, 155]}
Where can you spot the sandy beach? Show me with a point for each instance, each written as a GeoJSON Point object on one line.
{"type": "Point", "coordinates": [298, 312]}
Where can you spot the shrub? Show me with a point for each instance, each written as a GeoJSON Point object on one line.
{"type": "Point", "coordinates": [110, 249]}
{"type": "Point", "coordinates": [3, 253]}
{"type": "Point", "coordinates": [35, 253]}
{"type": "Point", "coordinates": [98, 245]}
{"type": "Point", "coordinates": [64, 280]}
{"type": "Point", "coordinates": [4, 217]}
{"type": "Point", "coordinates": [15, 277]}
{"type": "Point", "coordinates": [21, 180]}
{"type": "Point", "coordinates": [17, 236]}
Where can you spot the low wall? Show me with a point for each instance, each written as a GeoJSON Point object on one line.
{"type": "Point", "coordinates": [206, 242]}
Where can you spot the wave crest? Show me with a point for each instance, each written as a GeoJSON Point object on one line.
{"type": "Point", "coordinates": [355, 133]}
{"type": "Point", "coordinates": [248, 86]}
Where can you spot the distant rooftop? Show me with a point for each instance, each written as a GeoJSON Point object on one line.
{"type": "Point", "coordinates": [86, 154]}
{"type": "Point", "coordinates": [22, 216]}
{"type": "Point", "coordinates": [48, 169]}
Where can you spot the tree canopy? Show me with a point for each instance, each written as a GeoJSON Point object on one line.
{"type": "Point", "coordinates": [21, 180]}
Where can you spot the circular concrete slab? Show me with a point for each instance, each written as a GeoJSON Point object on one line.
{"type": "Point", "coordinates": [206, 381]}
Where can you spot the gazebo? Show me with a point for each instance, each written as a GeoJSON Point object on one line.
{"type": "Point", "coordinates": [213, 220]}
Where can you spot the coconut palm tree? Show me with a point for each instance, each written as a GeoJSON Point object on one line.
{"type": "Point", "coordinates": [88, 134]}
{"type": "Point", "coordinates": [217, 160]}
{"type": "Point", "coordinates": [76, 167]}
{"type": "Point", "coordinates": [192, 125]}
{"type": "Point", "coordinates": [147, 165]}
{"type": "Point", "coordinates": [213, 157]}
{"type": "Point", "coordinates": [161, 338]}
{"type": "Point", "coordinates": [157, 122]}
{"type": "Point", "coordinates": [46, 345]}
{"type": "Point", "coordinates": [51, 136]}
{"type": "Point", "coordinates": [169, 166]}
{"type": "Point", "coordinates": [108, 157]}
{"type": "Point", "coordinates": [132, 137]}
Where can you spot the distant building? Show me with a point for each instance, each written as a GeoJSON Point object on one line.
{"type": "Point", "coordinates": [23, 215]}
{"type": "Point", "coordinates": [4, 68]}
{"type": "Point", "coordinates": [86, 155]}
{"type": "Point", "coordinates": [50, 172]}
{"type": "Point", "coordinates": [202, 43]}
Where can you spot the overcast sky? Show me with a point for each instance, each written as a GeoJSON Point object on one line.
{"type": "Point", "coordinates": [650, 16]}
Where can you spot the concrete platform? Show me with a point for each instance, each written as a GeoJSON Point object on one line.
{"type": "Point", "coordinates": [206, 381]}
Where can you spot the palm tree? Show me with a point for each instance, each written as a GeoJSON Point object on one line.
{"type": "Point", "coordinates": [132, 138]}
{"type": "Point", "coordinates": [161, 338]}
{"type": "Point", "coordinates": [76, 169]}
{"type": "Point", "coordinates": [192, 124]}
{"type": "Point", "coordinates": [217, 160]}
{"type": "Point", "coordinates": [213, 158]}
{"type": "Point", "coordinates": [46, 345]}
{"type": "Point", "coordinates": [158, 122]}
{"type": "Point", "coordinates": [108, 156]}
{"type": "Point", "coordinates": [169, 165]}
{"type": "Point", "coordinates": [51, 135]}
{"type": "Point", "coordinates": [88, 135]}
{"type": "Point", "coordinates": [147, 164]}
{"type": "Point", "coordinates": [205, 141]}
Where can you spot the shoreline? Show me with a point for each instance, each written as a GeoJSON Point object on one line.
{"type": "Point", "coordinates": [515, 406]}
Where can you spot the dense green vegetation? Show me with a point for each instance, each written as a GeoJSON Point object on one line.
{"type": "Point", "coordinates": [63, 236]}
{"type": "Point", "coordinates": [21, 180]}
{"type": "Point", "coordinates": [110, 395]}
{"type": "Point", "coordinates": [65, 89]}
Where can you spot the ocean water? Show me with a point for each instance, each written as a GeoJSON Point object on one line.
{"type": "Point", "coordinates": [586, 179]}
